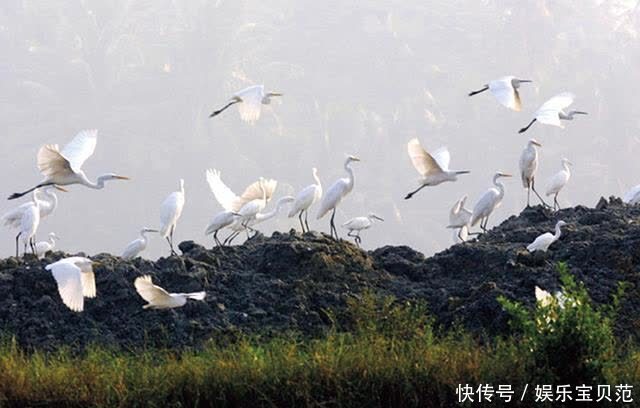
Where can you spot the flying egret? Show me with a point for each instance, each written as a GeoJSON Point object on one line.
{"type": "Point", "coordinates": [219, 221]}
{"type": "Point", "coordinates": [488, 202]}
{"type": "Point", "coordinates": [170, 212]}
{"type": "Point", "coordinates": [434, 168]}
{"type": "Point", "coordinates": [158, 298]}
{"type": "Point", "coordinates": [305, 199]}
{"type": "Point", "coordinates": [632, 196]}
{"type": "Point", "coordinates": [358, 224]}
{"type": "Point", "coordinates": [64, 167]}
{"type": "Point", "coordinates": [43, 247]}
{"type": "Point", "coordinates": [558, 181]}
{"type": "Point", "coordinates": [261, 217]}
{"type": "Point", "coordinates": [334, 195]}
{"type": "Point", "coordinates": [505, 90]}
{"type": "Point", "coordinates": [251, 100]}
{"type": "Point", "coordinates": [528, 167]}
{"type": "Point", "coordinates": [552, 111]}
{"type": "Point", "coordinates": [542, 242]}
{"type": "Point", "coordinates": [138, 245]}
{"type": "Point", "coordinates": [75, 279]}
{"type": "Point", "coordinates": [459, 218]}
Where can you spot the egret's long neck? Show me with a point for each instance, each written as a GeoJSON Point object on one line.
{"type": "Point", "coordinates": [317, 179]}
{"type": "Point", "coordinates": [349, 170]}
{"type": "Point", "coordinates": [499, 186]}
{"type": "Point", "coordinates": [52, 241]}
{"type": "Point", "coordinates": [98, 184]}
{"type": "Point", "coordinates": [566, 168]}
{"type": "Point", "coordinates": [52, 198]}
{"type": "Point", "coordinates": [556, 236]}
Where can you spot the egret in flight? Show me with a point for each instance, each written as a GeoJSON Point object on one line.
{"type": "Point", "coordinates": [43, 247]}
{"type": "Point", "coordinates": [459, 218]}
{"type": "Point", "coordinates": [488, 202]}
{"type": "Point", "coordinates": [75, 279]}
{"type": "Point", "coordinates": [632, 196]}
{"type": "Point", "coordinates": [542, 242]}
{"type": "Point", "coordinates": [528, 167]}
{"type": "Point", "coordinates": [359, 224]}
{"type": "Point", "coordinates": [261, 217]}
{"type": "Point", "coordinates": [138, 245]}
{"type": "Point", "coordinates": [158, 298]}
{"type": "Point", "coordinates": [505, 90]}
{"type": "Point", "coordinates": [64, 167]}
{"type": "Point", "coordinates": [552, 111]}
{"type": "Point", "coordinates": [336, 192]}
{"type": "Point", "coordinates": [558, 181]}
{"type": "Point", "coordinates": [434, 168]}
{"type": "Point", "coordinates": [170, 212]}
{"type": "Point", "coordinates": [219, 221]}
{"type": "Point", "coordinates": [305, 199]}
{"type": "Point", "coordinates": [250, 102]}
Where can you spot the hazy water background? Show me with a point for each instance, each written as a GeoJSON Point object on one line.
{"type": "Point", "coordinates": [360, 78]}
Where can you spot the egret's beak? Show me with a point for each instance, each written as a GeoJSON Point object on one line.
{"type": "Point", "coordinates": [378, 218]}
{"type": "Point", "coordinates": [275, 94]}
{"type": "Point", "coordinates": [236, 214]}
{"type": "Point", "coordinates": [122, 177]}
{"type": "Point", "coordinates": [580, 113]}
{"type": "Point", "coordinates": [96, 263]}
{"type": "Point", "coordinates": [537, 143]}
{"type": "Point", "coordinates": [355, 159]}
{"type": "Point", "coordinates": [525, 80]}
{"type": "Point", "coordinates": [152, 230]}
{"type": "Point", "coordinates": [60, 188]}
{"type": "Point", "coordinates": [506, 175]}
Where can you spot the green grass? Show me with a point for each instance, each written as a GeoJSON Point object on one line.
{"type": "Point", "coordinates": [391, 356]}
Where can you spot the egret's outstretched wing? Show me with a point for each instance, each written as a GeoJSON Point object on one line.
{"type": "Point", "coordinates": [51, 163]}
{"type": "Point", "coordinates": [67, 276]}
{"type": "Point", "coordinates": [548, 112]}
{"type": "Point", "coordinates": [422, 161]}
{"type": "Point", "coordinates": [251, 105]}
{"type": "Point", "coordinates": [458, 215]}
{"type": "Point", "coordinates": [442, 157]}
{"type": "Point", "coordinates": [13, 217]}
{"type": "Point", "coordinates": [154, 295]}
{"type": "Point", "coordinates": [193, 295]}
{"type": "Point", "coordinates": [80, 148]}
{"type": "Point", "coordinates": [503, 90]}
{"type": "Point", "coordinates": [254, 192]}
{"type": "Point", "coordinates": [630, 197]}
{"type": "Point", "coordinates": [223, 194]}
{"type": "Point", "coordinates": [88, 284]}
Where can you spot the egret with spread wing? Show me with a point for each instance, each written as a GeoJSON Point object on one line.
{"type": "Point", "coordinates": [158, 298]}
{"type": "Point", "coordinates": [558, 181]}
{"type": "Point", "coordinates": [488, 202]}
{"type": "Point", "coordinates": [260, 217]}
{"type": "Point", "coordinates": [505, 90]}
{"type": "Point", "coordinates": [552, 111]}
{"type": "Point", "coordinates": [305, 199]}
{"type": "Point", "coordinates": [336, 192]}
{"type": "Point", "coordinates": [75, 279]}
{"type": "Point", "coordinates": [250, 102]}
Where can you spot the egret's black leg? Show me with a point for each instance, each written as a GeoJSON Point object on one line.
{"type": "Point", "coordinates": [409, 195]}
{"type": "Point", "coordinates": [219, 111]}
{"type": "Point", "coordinates": [300, 219]}
{"type": "Point", "coordinates": [533, 187]}
{"type": "Point", "coordinates": [524, 129]}
{"type": "Point", "coordinates": [333, 225]}
{"type": "Point", "coordinates": [18, 195]}
{"type": "Point", "coordinates": [306, 221]}
{"type": "Point", "coordinates": [478, 91]}
{"type": "Point", "coordinates": [17, 243]}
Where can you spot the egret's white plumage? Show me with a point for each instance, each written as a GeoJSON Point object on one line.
{"type": "Point", "coordinates": [632, 196]}
{"type": "Point", "coordinates": [545, 298]}
{"type": "Point", "coordinates": [305, 199]}
{"type": "Point", "coordinates": [43, 247]}
{"type": "Point", "coordinates": [64, 167]}
{"type": "Point", "coordinates": [528, 166]}
{"type": "Point", "coordinates": [75, 279]}
{"type": "Point", "coordinates": [239, 226]}
{"type": "Point", "coordinates": [542, 242]}
{"type": "Point", "coordinates": [158, 298]}
{"type": "Point", "coordinates": [505, 90]}
{"type": "Point", "coordinates": [488, 202]}
{"type": "Point", "coordinates": [232, 202]}
{"type": "Point", "coordinates": [170, 212]}
{"type": "Point", "coordinates": [250, 101]}
{"type": "Point", "coordinates": [219, 221]}
{"type": "Point", "coordinates": [29, 223]}
{"type": "Point", "coordinates": [336, 192]}
{"type": "Point", "coordinates": [138, 245]}
{"type": "Point", "coordinates": [358, 224]}
{"type": "Point", "coordinates": [558, 181]}
{"type": "Point", "coordinates": [433, 168]}
{"type": "Point", "coordinates": [47, 203]}
{"type": "Point", "coordinates": [552, 111]}
{"type": "Point", "coordinates": [459, 219]}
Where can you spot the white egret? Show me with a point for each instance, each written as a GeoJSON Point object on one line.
{"type": "Point", "coordinates": [75, 279]}
{"type": "Point", "coordinates": [47, 203]}
{"type": "Point", "coordinates": [29, 223]}
{"type": "Point", "coordinates": [488, 202]}
{"type": "Point", "coordinates": [336, 192]}
{"type": "Point", "coordinates": [558, 181]}
{"type": "Point", "coordinates": [158, 298]}
{"type": "Point", "coordinates": [43, 247]}
{"type": "Point", "coordinates": [505, 90]}
{"type": "Point", "coordinates": [64, 167]}
{"type": "Point", "coordinates": [545, 298]}
{"type": "Point", "coordinates": [528, 167]}
{"type": "Point", "coordinates": [251, 100]}
{"type": "Point", "coordinates": [459, 218]}
{"type": "Point", "coordinates": [305, 199]}
{"type": "Point", "coordinates": [219, 221]}
{"type": "Point", "coordinates": [552, 111]}
{"type": "Point", "coordinates": [434, 168]}
{"type": "Point", "coordinates": [261, 217]}
{"type": "Point", "coordinates": [170, 212]}
{"type": "Point", "coordinates": [232, 202]}
{"type": "Point", "coordinates": [632, 196]}
{"type": "Point", "coordinates": [138, 245]}
{"type": "Point", "coordinates": [542, 242]}
{"type": "Point", "coordinates": [359, 224]}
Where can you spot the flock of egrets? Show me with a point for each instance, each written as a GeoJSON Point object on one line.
{"type": "Point", "coordinates": [241, 213]}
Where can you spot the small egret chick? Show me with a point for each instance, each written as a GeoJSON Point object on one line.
{"type": "Point", "coordinates": [219, 221]}
{"type": "Point", "coordinates": [528, 167]}
{"type": "Point", "coordinates": [434, 168]}
{"type": "Point", "coordinates": [558, 181]}
{"type": "Point", "coordinates": [552, 111]}
{"type": "Point", "coordinates": [305, 199]}
{"type": "Point", "coordinates": [158, 298]}
{"type": "Point", "coordinates": [542, 242]}
{"type": "Point", "coordinates": [138, 245]}
{"type": "Point", "coordinates": [488, 202]}
{"type": "Point", "coordinates": [170, 212]}
{"type": "Point", "coordinates": [251, 100]}
{"type": "Point", "coordinates": [358, 224]}
{"type": "Point", "coordinates": [505, 90]}
{"type": "Point", "coordinates": [632, 197]}
{"type": "Point", "coordinates": [43, 247]}
{"type": "Point", "coordinates": [75, 279]}
{"type": "Point", "coordinates": [459, 218]}
{"type": "Point", "coordinates": [336, 192]}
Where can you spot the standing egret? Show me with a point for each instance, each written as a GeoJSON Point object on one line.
{"type": "Point", "coordinates": [434, 168]}
{"type": "Point", "coordinates": [75, 279]}
{"type": "Point", "coordinates": [232, 202]}
{"type": "Point", "coordinates": [552, 111]}
{"type": "Point", "coordinates": [64, 167]}
{"type": "Point", "coordinates": [542, 242]}
{"type": "Point", "coordinates": [158, 298]}
{"type": "Point", "coordinates": [138, 245]}
{"type": "Point", "coordinates": [528, 167]}
{"type": "Point", "coordinates": [334, 195]}
{"type": "Point", "coordinates": [261, 217]}
{"type": "Point", "coordinates": [218, 222]}
{"type": "Point", "coordinates": [632, 196]}
{"type": "Point", "coordinates": [29, 223]}
{"type": "Point", "coordinates": [459, 218]}
{"type": "Point", "coordinates": [558, 181]}
{"type": "Point", "coordinates": [43, 247]}
{"type": "Point", "coordinates": [488, 202]}
{"type": "Point", "coordinates": [358, 224]}
{"type": "Point", "coordinates": [505, 90]}
{"type": "Point", "coordinates": [305, 199]}
{"type": "Point", "coordinates": [170, 212]}
{"type": "Point", "coordinates": [251, 100]}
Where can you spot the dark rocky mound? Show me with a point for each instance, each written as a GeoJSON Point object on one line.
{"type": "Point", "coordinates": [290, 282]}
